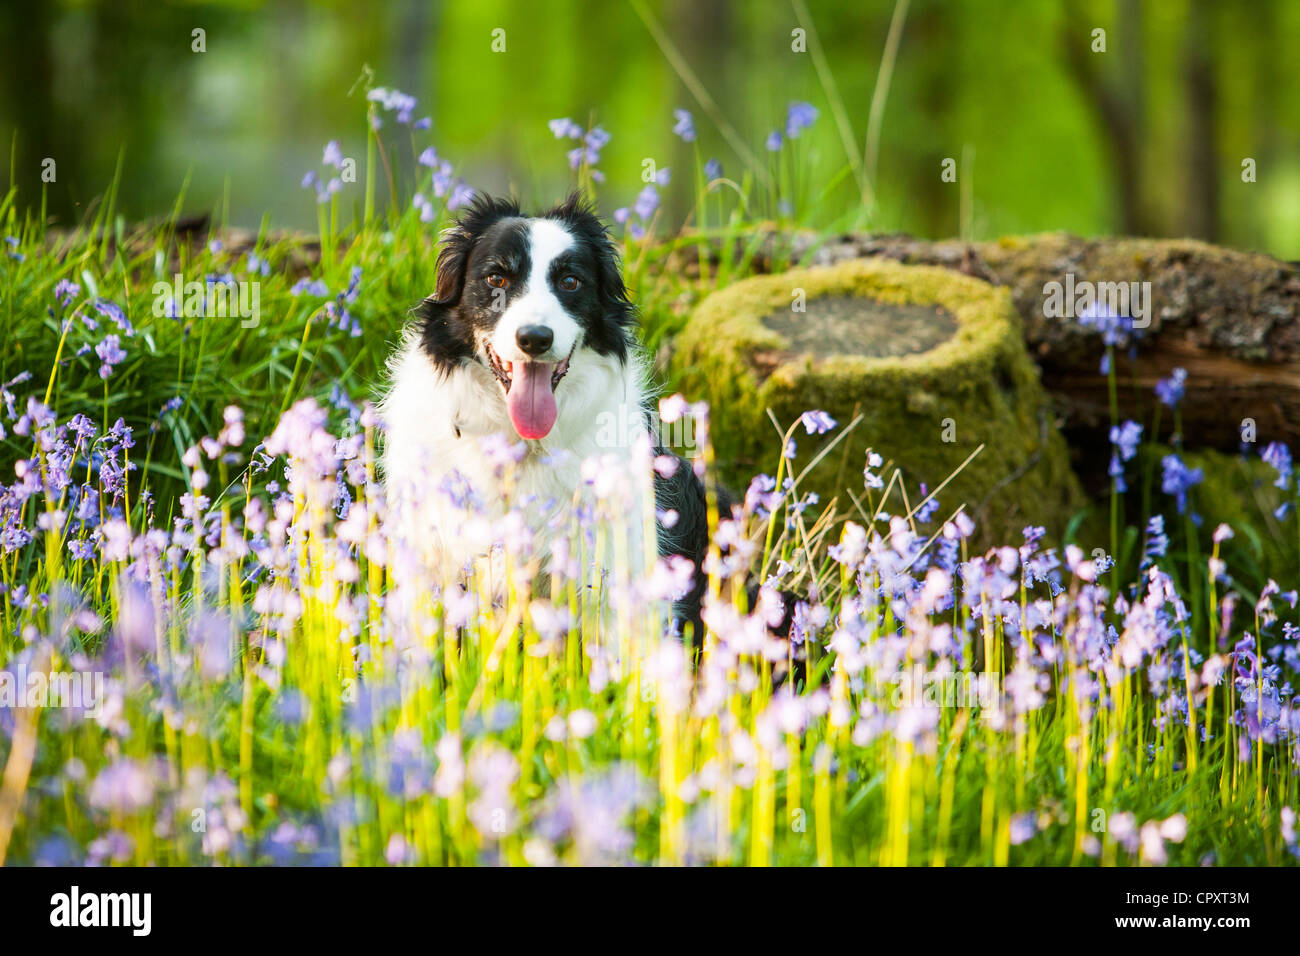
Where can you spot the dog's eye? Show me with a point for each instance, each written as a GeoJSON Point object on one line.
{"type": "Point", "coordinates": [570, 283]}
{"type": "Point", "coordinates": [496, 280]}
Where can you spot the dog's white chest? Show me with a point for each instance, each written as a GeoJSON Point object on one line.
{"type": "Point", "coordinates": [455, 489]}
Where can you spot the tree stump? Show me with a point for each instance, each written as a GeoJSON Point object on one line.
{"type": "Point", "coordinates": [1231, 319]}
{"type": "Point", "coordinates": [934, 362]}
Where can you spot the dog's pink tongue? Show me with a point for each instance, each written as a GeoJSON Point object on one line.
{"type": "Point", "coordinates": [530, 401]}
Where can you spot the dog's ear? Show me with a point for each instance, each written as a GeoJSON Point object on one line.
{"type": "Point", "coordinates": [458, 242]}
{"type": "Point", "coordinates": [445, 339]}
{"type": "Point", "coordinates": [452, 258]}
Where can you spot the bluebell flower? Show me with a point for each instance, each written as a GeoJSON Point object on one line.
{"type": "Point", "coordinates": [816, 422]}
{"type": "Point", "coordinates": [1170, 390]}
{"type": "Point", "coordinates": [774, 140]}
{"type": "Point", "coordinates": [308, 286]}
{"type": "Point", "coordinates": [583, 154]}
{"type": "Point", "coordinates": [113, 311]}
{"type": "Point", "coordinates": [110, 353]}
{"type": "Point", "coordinates": [1116, 471]}
{"type": "Point", "coordinates": [685, 126]}
{"type": "Point", "coordinates": [1157, 540]}
{"type": "Point", "coordinates": [565, 128]}
{"type": "Point", "coordinates": [65, 291]}
{"type": "Point", "coordinates": [403, 104]}
{"type": "Point", "coordinates": [647, 201]}
{"type": "Point", "coordinates": [713, 169]}
{"type": "Point", "coordinates": [925, 511]}
{"type": "Point", "coordinates": [1125, 438]}
{"type": "Point", "coordinates": [1177, 479]}
{"type": "Point", "coordinates": [800, 116]}
{"type": "Point", "coordinates": [1278, 455]}
{"type": "Point", "coordinates": [1114, 329]}
{"type": "Point", "coordinates": [461, 195]}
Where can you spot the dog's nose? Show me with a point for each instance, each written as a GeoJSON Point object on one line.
{"type": "Point", "coordinates": [534, 339]}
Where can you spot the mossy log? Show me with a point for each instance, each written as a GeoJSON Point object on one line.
{"type": "Point", "coordinates": [934, 362]}
{"type": "Point", "coordinates": [1231, 319]}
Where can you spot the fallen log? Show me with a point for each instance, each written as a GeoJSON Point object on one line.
{"type": "Point", "coordinates": [1229, 318]}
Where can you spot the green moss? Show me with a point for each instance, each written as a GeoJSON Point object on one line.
{"type": "Point", "coordinates": [980, 381]}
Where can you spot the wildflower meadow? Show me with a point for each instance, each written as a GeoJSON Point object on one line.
{"type": "Point", "coordinates": [215, 650]}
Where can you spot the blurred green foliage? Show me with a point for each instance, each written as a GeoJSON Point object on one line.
{"type": "Point", "coordinates": [1148, 136]}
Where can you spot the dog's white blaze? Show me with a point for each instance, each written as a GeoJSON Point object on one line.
{"type": "Point", "coordinates": [538, 304]}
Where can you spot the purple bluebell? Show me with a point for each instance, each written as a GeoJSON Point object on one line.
{"type": "Point", "coordinates": [110, 353]}
{"type": "Point", "coordinates": [800, 116]}
{"type": "Point", "coordinates": [685, 125]}
{"type": "Point", "coordinates": [1177, 479]}
{"type": "Point", "coordinates": [1170, 390]}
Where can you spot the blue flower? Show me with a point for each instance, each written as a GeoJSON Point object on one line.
{"type": "Point", "coordinates": [1125, 438]}
{"type": "Point", "coordinates": [110, 353]}
{"type": "Point", "coordinates": [774, 141]}
{"type": "Point", "coordinates": [685, 126]}
{"type": "Point", "coordinates": [1170, 390]}
{"type": "Point", "coordinates": [799, 117]}
{"type": "Point", "coordinates": [65, 291]}
{"type": "Point", "coordinates": [1279, 457]}
{"type": "Point", "coordinates": [113, 311]}
{"type": "Point", "coordinates": [461, 195]}
{"type": "Point", "coordinates": [333, 155]}
{"type": "Point", "coordinates": [1177, 479]}
{"type": "Point", "coordinates": [565, 128]}
{"type": "Point", "coordinates": [816, 422]}
{"type": "Point", "coordinates": [394, 101]}
{"type": "Point", "coordinates": [1157, 540]}
{"type": "Point", "coordinates": [306, 286]}
{"type": "Point", "coordinates": [647, 201]}
{"type": "Point", "coordinates": [713, 169]}
{"type": "Point", "coordinates": [1114, 328]}
{"type": "Point", "coordinates": [1116, 471]}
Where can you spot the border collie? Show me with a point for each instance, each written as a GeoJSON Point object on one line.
{"type": "Point", "coordinates": [529, 335]}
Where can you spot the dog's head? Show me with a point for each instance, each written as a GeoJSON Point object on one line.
{"type": "Point", "coordinates": [525, 297]}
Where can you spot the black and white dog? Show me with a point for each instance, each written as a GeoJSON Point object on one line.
{"type": "Point", "coordinates": [530, 335]}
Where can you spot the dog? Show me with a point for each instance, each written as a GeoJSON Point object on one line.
{"type": "Point", "coordinates": [530, 335]}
